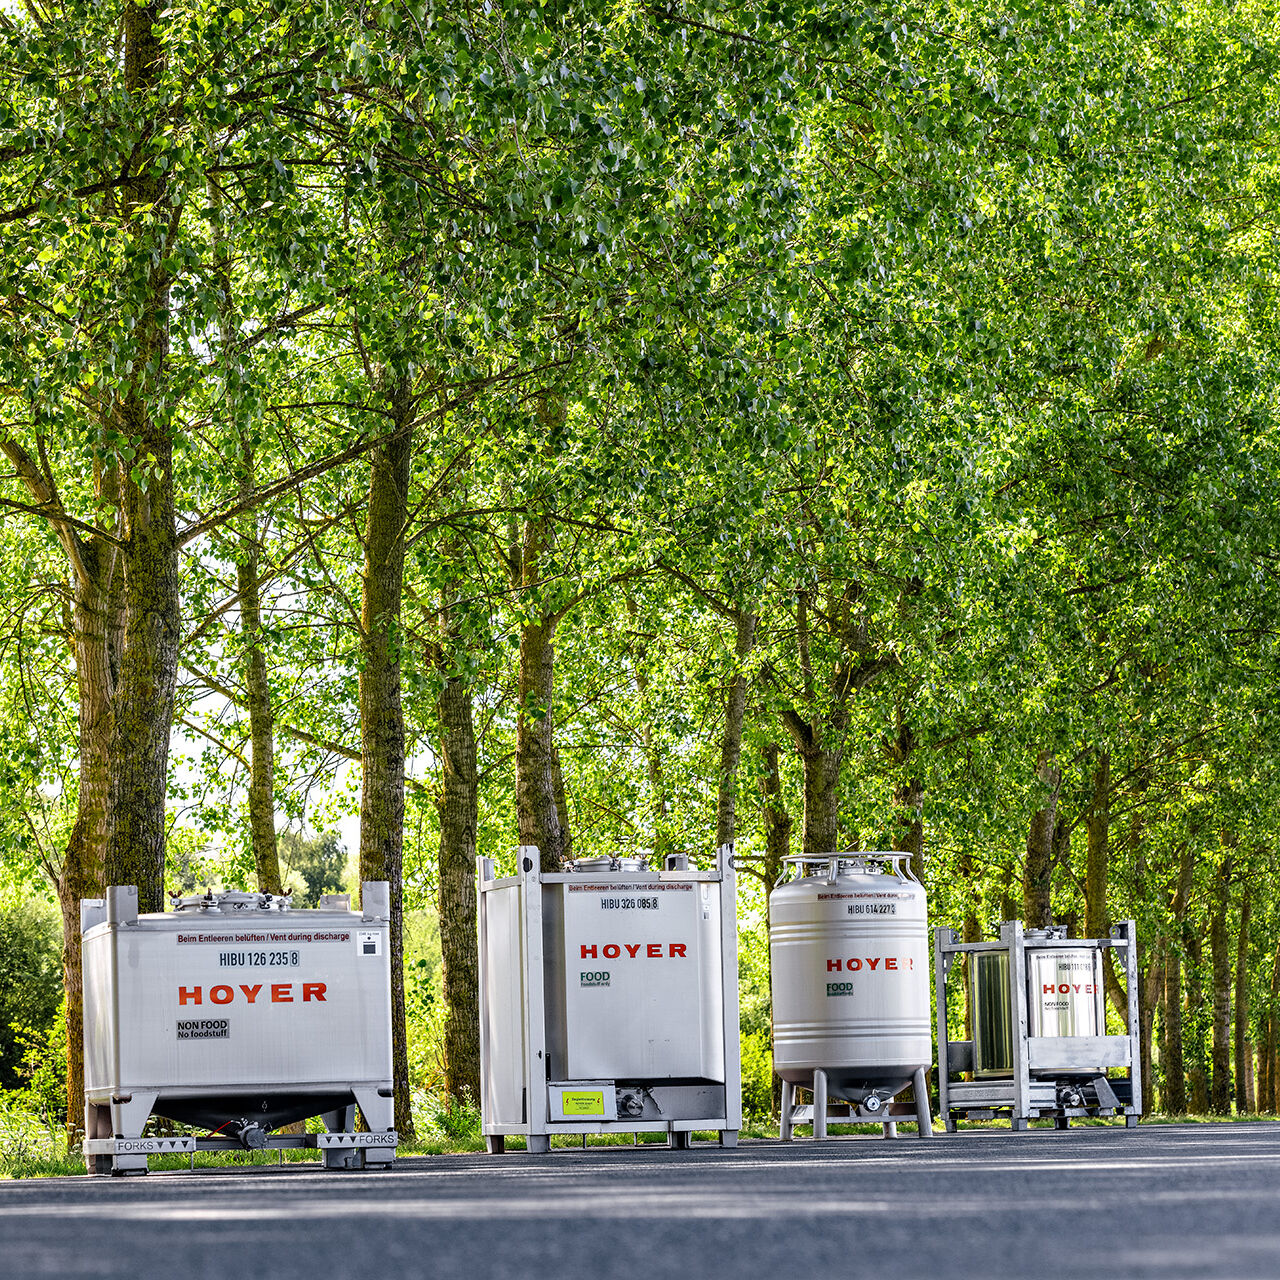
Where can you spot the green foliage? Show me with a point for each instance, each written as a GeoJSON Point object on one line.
{"type": "Point", "coordinates": [943, 342]}
{"type": "Point", "coordinates": [44, 1067]}
{"type": "Point", "coordinates": [312, 867]}
{"type": "Point", "coordinates": [30, 983]}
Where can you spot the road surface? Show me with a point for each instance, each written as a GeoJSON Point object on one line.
{"type": "Point", "coordinates": [1180, 1201]}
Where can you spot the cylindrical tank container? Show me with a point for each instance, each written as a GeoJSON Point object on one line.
{"type": "Point", "coordinates": [609, 1000]}
{"type": "Point", "coordinates": [850, 964]}
{"type": "Point", "coordinates": [1065, 998]}
{"type": "Point", "coordinates": [237, 1014]}
{"type": "Point", "coordinates": [1065, 993]}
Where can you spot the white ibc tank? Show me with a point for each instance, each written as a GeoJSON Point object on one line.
{"type": "Point", "coordinates": [850, 962]}
{"type": "Point", "coordinates": [235, 1012]}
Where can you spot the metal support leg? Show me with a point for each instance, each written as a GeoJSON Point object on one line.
{"type": "Point", "coordinates": [1018, 1124]}
{"type": "Point", "coordinates": [681, 1140]}
{"type": "Point", "coordinates": [890, 1129]}
{"type": "Point", "coordinates": [1131, 1122]}
{"type": "Point", "coordinates": [495, 1143]}
{"type": "Point", "coordinates": [728, 1137]}
{"type": "Point", "coordinates": [819, 1105]}
{"type": "Point", "coordinates": [538, 1144]}
{"type": "Point", "coordinates": [924, 1117]}
{"type": "Point", "coordinates": [788, 1105]}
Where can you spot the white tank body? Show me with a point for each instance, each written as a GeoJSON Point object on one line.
{"type": "Point", "coordinates": [849, 951]}
{"type": "Point", "coordinates": [231, 1009]}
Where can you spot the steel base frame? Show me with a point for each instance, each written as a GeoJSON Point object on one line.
{"type": "Point", "coordinates": [124, 1153]}
{"type": "Point", "coordinates": [824, 1112]}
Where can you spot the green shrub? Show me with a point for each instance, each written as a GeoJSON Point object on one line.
{"type": "Point", "coordinates": [30, 982]}
{"type": "Point", "coordinates": [757, 1076]}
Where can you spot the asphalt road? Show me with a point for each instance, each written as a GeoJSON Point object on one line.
{"type": "Point", "coordinates": [1186, 1201]}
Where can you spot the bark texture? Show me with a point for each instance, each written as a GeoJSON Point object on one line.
{"type": "Point", "coordinates": [149, 653]}
{"type": "Point", "coordinates": [1173, 1059]}
{"type": "Point", "coordinates": [1197, 1018]}
{"type": "Point", "coordinates": [458, 810]}
{"type": "Point", "coordinates": [1269, 1086]}
{"type": "Point", "coordinates": [1246, 1103]}
{"type": "Point", "coordinates": [1037, 910]}
{"type": "Point", "coordinates": [1220, 953]}
{"type": "Point", "coordinates": [382, 738]}
{"type": "Point", "coordinates": [262, 791]}
{"type": "Point", "coordinates": [539, 817]}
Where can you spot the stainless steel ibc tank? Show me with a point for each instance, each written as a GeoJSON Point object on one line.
{"type": "Point", "coordinates": [609, 1000]}
{"type": "Point", "coordinates": [849, 953]}
{"type": "Point", "coordinates": [237, 1014]}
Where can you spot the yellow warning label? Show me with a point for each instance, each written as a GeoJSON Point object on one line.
{"type": "Point", "coordinates": [584, 1102]}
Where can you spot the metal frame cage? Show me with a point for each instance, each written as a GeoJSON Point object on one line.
{"type": "Point", "coordinates": [1048, 1077]}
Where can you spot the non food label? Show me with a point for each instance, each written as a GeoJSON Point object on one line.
{"type": "Point", "coordinates": [628, 904]}
{"type": "Point", "coordinates": [369, 942]}
{"type": "Point", "coordinates": [204, 1029]}
{"type": "Point", "coordinates": [582, 1102]}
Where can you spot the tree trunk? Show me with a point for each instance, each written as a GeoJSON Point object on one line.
{"type": "Point", "coordinates": [821, 799]}
{"type": "Point", "coordinates": [1195, 1020]}
{"type": "Point", "coordinates": [95, 636]}
{"type": "Point", "coordinates": [1245, 1104]}
{"type": "Point", "coordinates": [1174, 1099]}
{"type": "Point", "coordinates": [777, 845]}
{"type": "Point", "coordinates": [777, 821]}
{"type": "Point", "coordinates": [1097, 923]}
{"type": "Point", "coordinates": [908, 798]}
{"type": "Point", "coordinates": [459, 815]}
{"type": "Point", "coordinates": [1220, 951]}
{"type": "Point", "coordinates": [659, 806]}
{"type": "Point", "coordinates": [262, 799]}
{"type": "Point", "coordinates": [731, 742]}
{"type": "Point", "coordinates": [1150, 990]}
{"type": "Point", "coordinates": [1037, 908]}
{"type": "Point", "coordinates": [149, 656]}
{"type": "Point", "coordinates": [1174, 1096]}
{"type": "Point", "coordinates": [98, 623]}
{"type": "Point", "coordinates": [382, 739]}
{"type": "Point", "coordinates": [1270, 1100]}
{"type": "Point", "coordinates": [538, 816]}
{"type": "Point", "coordinates": [262, 792]}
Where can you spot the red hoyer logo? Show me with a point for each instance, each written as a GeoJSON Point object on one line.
{"type": "Point", "coordinates": [1066, 988]}
{"type": "Point", "coordinates": [612, 950]}
{"type": "Point", "coordinates": [854, 963]}
{"type": "Point", "coordinates": [281, 993]}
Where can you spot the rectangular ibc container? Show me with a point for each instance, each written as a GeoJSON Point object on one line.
{"type": "Point", "coordinates": [240, 1015]}
{"type": "Point", "coordinates": [608, 1000]}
